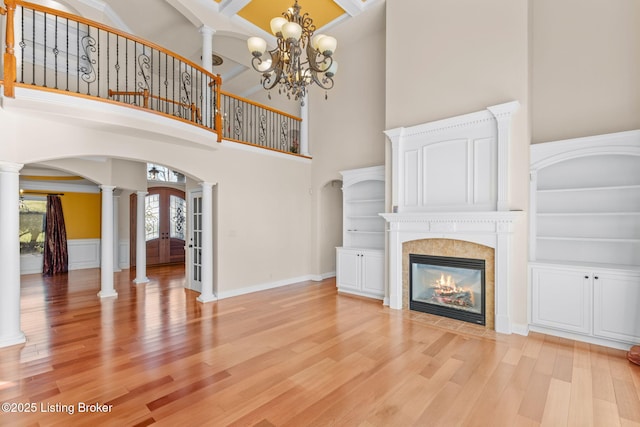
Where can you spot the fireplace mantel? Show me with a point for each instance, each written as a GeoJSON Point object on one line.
{"type": "Point", "coordinates": [450, 180]}
{"type": "Point", "coordinates": [493, 229]}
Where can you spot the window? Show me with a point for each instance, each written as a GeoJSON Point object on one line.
{"type": "Point", "coordinates": [163, 173]}
{"type": "Point", "coordinates": [152, 216]}
{"type": "Point", "coordinates": [178, 216]}
{"type": "Point", "coordinates": [32, 226]}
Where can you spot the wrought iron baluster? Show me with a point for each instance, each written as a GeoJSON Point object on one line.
{"type": "Point", "coordinates": [67, 53]}
{"type": "Point", "coordinates": [33, 47]}
{"type": "Point", "coordinates": [22, 44]}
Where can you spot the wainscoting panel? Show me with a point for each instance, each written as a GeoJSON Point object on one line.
{"type": "Point", "coordinates": [84, 253]}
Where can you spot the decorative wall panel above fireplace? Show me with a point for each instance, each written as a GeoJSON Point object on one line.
{"type": "Point", "coordinates": [455, 164]}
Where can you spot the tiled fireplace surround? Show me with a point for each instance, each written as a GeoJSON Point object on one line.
{"type": "Point", "coordinates": [449, 184]}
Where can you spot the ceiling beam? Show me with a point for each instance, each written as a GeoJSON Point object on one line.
{"type": "Point", "coordinates": [352, 7]}
{"type": "Point", "coordinates": [232, 7]}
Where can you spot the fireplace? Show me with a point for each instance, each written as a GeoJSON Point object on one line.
{"type": "Point", "coordinates": [450, 182]}
{"type": "Point", "coordinates": [448, 286]}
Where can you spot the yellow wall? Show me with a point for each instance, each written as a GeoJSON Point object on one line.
{"type": "Point", "coordinates": [81, 215]}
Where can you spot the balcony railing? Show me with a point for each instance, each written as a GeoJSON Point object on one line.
{"type": "Point", "coordinates": [244, 120]}
{"type": "Point", "coordinates": [52, 50]}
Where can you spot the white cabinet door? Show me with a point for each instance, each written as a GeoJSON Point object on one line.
{"type": "Point", "coordinates": [348, 269]}
{"type": "Point", "coordinates": [561, 299]}
{"type": "Point", "coordinates": [373, 274]}
{"type": "Point", "coordinates": [617, 306]}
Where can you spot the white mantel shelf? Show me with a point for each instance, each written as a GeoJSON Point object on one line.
{"type": "Point", "coordinates": [497, 221]}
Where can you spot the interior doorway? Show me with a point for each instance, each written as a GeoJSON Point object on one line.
{"type": "Point", "coordinates": [165, 226]}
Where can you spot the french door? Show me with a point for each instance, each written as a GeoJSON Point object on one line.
{"type": "Point", "coordinates": [195, 241]}
{"type": "Point", "coordinates": [165, 226]}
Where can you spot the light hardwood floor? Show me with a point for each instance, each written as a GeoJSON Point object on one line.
{"type": "Point", "coordinates": [294, 356]}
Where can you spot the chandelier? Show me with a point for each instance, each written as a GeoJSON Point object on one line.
{"type": "Point", "coordinates": [286, 65]}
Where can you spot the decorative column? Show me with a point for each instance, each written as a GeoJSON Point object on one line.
{"type": "Point", "coordinates": [304, 127]}
{"type": "Point", "coordinates": [207, 47]}
{"type": "Point", "coordinates": [141, 242]}
{"type": "Point", "coordinates": [116, 238]}
{"type": "Point", "coordinates": [106, 244]}
{"type": "Point", "coordinates": [10, 333]}
{"type": "Point", "coordinates": [207, 244]}
{"type": "Point", "coordinates": [503, 114]}
{"type": "Point", "coordinates": [208, 113]}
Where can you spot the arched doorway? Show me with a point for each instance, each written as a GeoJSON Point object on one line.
{"type": "Point", "coordinates": [165, 226]}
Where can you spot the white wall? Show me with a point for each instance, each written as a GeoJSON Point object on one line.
{"type": "Point", "coordinates": [346, 129]}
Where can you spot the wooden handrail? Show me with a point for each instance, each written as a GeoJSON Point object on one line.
{"type": "Point", "coordinates": [257, 104]}
{"type": "Point", "coordinates": [112, 30]}
{"type": "Point", "coordinates": [145, 94]}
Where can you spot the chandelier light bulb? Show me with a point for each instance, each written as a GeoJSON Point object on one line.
{"type": "Point", "coordinates": [332, 70]}
{"type": "Point", "coordinates": [327, 45]}
{"type": "Point", "coordinates": [291, 30]}
{"type": "Point", "coordinates": [276, 25]}
{"type": "Point", "coordinates": [315, 39]}
{"type": "Point", "coordinates": [256, 45]}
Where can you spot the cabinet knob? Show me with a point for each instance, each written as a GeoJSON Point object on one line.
{"type": "Point", "coordinates": [586, 277]}
{"type": "Point", "coordinates": [595, 277]}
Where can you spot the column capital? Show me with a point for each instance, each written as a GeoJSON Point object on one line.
{"type": "Point", "coordinates": [10, 167]}
{"type": "Point", "coordinates": [104, 187]}
{"type": "Point", "coordinates": [206, 184]}
{"type": "Point", "coordinates": [142, 193]}
{"type": "Point", "coordinates": [207, 31]}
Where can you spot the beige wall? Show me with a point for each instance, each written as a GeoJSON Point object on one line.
{"type": "Point", "coordinates": [449, 58]}
{"type": "Point", "coordinates": [586, 68]}
{"type": "Point", "coordinates": [345, 130]}
{"type": "Point", "coordinates": [263, 199]}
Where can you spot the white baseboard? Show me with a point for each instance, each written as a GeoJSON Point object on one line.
{"type": "Point", "coordinates": [520, 329]}
{"type": "Point", "coordinates": [263, 287]}
{"type": "Point", "coordinates": [584, 338]}
{"type": "Point", "coordinates": [323, 276]}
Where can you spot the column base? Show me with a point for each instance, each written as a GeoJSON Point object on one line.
{"type": "Point", "coordinates": [206, 298]}
{"type": "Point", "coordinates": [109, 294]}
{"type": "Point", "coordinates": [142, 280]}
{"type": "Point", "coordinates": [15, 340]}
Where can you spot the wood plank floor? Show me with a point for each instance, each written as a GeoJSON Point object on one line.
{"type": "Point", "coordinates": [299, 355]}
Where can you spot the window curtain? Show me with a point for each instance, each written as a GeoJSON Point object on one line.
{"type": "Point", "coordinates": [56, 257]}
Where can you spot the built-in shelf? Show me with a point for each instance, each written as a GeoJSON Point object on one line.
{"type": "Point", "coordinates": [600, 188]}
{"type": "Point", "coordinates": [572, 214]}
{"type": "Point", "coordinates": [589, 239]}
{"type": "Point", "coordinates": [598, 266]}
{"type": "Point", "coordinates": [585, 238]}
{"type": "Point", "coordinates": [360, 260]}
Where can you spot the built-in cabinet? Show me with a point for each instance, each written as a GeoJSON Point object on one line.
{"type": "Point", "coordinates": [585, 238]}
{"type": "Point", "coordinates": [360, 261]}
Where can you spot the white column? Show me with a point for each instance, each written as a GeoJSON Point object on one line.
{"type": "Point", "coordinates": [207, 243]}
{"type": "Point", "coordinates": [304, 127]}
{"type": "Point", "coordinates": [10, 333]}
{"type": "Point", "coordinates": [141, 242]}
{"type": "Point", "coordinates": [116, 236]}
{"type": "Point", "coordinates": [207, 47]}
{"type": "Point", "coordinates": [106, 244]}
{"type": "Point", "coordinates": [207, 64]}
